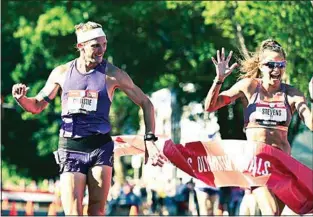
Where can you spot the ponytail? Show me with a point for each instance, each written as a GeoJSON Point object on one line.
{"type": "Point", "coordinates": [250, 65]}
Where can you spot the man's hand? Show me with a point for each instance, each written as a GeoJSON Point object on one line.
{"type": "Point", "coordinates": [19, 90]}
{"type": "Point", "coordinates": [153, 153]}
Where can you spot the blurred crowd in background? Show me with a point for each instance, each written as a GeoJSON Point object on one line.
{"type": "Point", "coordinates": [137, 197]}
{"type": "Point", "coordinates": [173, 197]}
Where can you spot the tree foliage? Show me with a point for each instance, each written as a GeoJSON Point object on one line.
{"type": "Point", "coordinates": [160, 44]}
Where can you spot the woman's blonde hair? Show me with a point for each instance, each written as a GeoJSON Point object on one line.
{"type": "Point", "coordinates": [84, 27]}
{"type": "Point", "coordinates": [249, 66]}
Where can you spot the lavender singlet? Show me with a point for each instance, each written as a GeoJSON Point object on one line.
{"type": "Point", "coordinates": [77, 125]}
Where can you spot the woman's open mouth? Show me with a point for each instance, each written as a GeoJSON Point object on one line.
{"type": "Point", "coordinates": [275, 75]}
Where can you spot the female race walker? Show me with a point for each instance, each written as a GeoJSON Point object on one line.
{"type": "Point", "coordinates": [268, 104]}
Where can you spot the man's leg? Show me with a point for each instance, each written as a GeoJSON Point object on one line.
{"type": "Point", "coordinates": [72, 186]}
{"type": "Point", "coordinates": [99, 183]}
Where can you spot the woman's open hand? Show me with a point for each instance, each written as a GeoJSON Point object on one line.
{"type": "Point", "coordinates": [222, 65]}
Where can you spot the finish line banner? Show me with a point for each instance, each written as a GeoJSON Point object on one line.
{"type": "Point", "coordinates": [238, 163]}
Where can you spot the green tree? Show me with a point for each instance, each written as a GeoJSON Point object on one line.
{"type": "Point", "coordinates": [286, 21]}
{"type": "Point", "coordinates": [160, 44]}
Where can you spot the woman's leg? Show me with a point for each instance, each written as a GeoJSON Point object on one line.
{"type": "Point", "coordinates": [267, 201]}
{"type": "Point", "coordinates": [281, 205]}
{"type": "Point", "coordinates": [99, 183]}
{"type": "Point", "coordinates": [288, 211]}
{"type": "Point", "coordinates": [72, 188]}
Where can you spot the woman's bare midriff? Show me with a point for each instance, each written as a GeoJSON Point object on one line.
{"type": "Point", "coordinates": [273, 137]}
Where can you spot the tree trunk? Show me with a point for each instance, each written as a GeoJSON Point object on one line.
{"type": "Point", "coordinates": [238, 30]}
{"type": "Point", "coordinates": [175, 116]}
{"type": "Point", "coordinates": [241, 39]}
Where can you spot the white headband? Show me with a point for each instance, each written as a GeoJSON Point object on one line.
{"type": "Point", "coordinates": [91, 34]}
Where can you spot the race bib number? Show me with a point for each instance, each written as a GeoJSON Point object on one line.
{"type": "Point", "coordinates": [82, 101]}
{"type": "Point", "coordinates": [271, 114]}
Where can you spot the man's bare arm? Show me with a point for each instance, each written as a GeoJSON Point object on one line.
{"type": "Point", "coordinates": [125, 83]}
{"type": "Point", "coordinates": [38, 103]}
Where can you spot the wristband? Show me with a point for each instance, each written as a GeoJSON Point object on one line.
{"type": "Point", "coordinates": [218, 82]}
{"type": "Point", "coordinates": [150, 137]}
{"type": "Point", "coordinates": [44, 96]}
{"type": "Point", "coordinates": [17, 99]}
{"type": "Point", "coordinates": [47, 99]}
